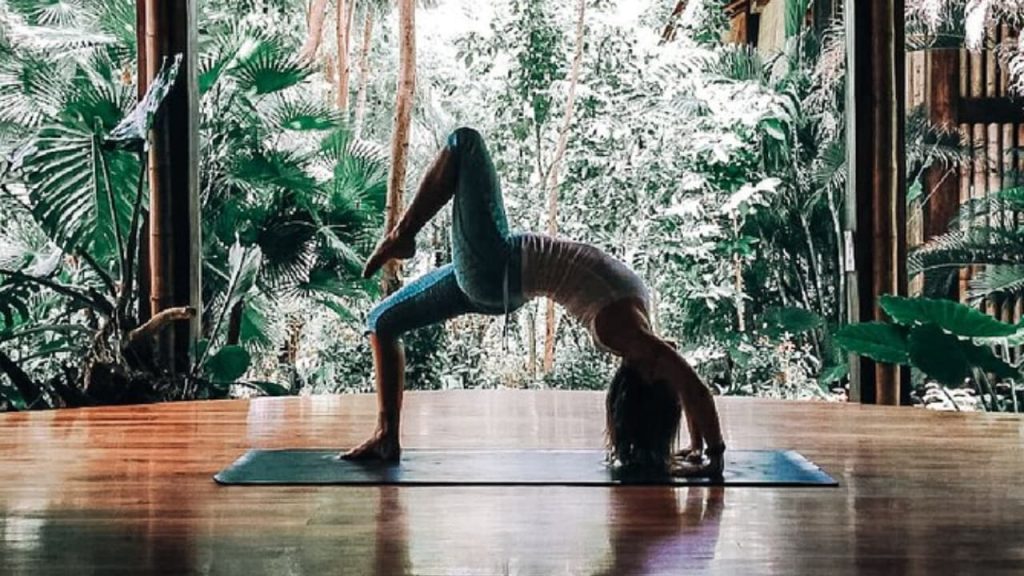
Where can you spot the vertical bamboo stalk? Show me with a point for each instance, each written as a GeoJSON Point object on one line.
{"type": "Point", "coordinates": [174, 242]}
{"type": "Point", "coordinates": [942, 183]}
{"type": "Point", "coordinates": [879, 74]}
{"type": "Point", "coordinates": [967, 170]}
{"type": "Point", "coordinates": [993, 140]}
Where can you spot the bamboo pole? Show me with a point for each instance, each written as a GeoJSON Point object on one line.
{"type": "Point", "coordinates": [879, 230]}
{"type": "Point", "coordinates": [174, 241]}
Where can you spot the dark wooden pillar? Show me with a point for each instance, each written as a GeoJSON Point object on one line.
{"type": "Point", "coordinates": [174, 244]}
{"type": "Point", "coordinates": [942, 183]}
{"type": "Point", "coordinates": [878, 180]}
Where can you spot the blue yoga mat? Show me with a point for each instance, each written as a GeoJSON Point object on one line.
{"type": "Point", "coordinates": [506, 468]}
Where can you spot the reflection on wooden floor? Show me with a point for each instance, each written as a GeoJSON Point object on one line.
{"type": "Point", "coordinates": [128, 491]}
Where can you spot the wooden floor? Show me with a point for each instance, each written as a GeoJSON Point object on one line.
{"type": "Point", "coordinates": [129, 491]}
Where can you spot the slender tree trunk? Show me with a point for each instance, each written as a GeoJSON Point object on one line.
{"type": "Point", "coordinates": [400, 130]}
{"type": "Point", "coordinates": [669, 33]}
{"type": "Point", "coordinates": [316, 17]}
{"type": "Point", "coordinates": [343, 21]}
{"type": "Point", "coordinates": [553, 175]}
{"type": "Point", "coordinates": [364, 72]}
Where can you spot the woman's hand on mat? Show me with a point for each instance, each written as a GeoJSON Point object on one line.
{"type": "Point", "coordinates": [703, 468]}
{"type": "Point", "coordinates": [381, 446]}
{"type": "Point", "coordinates": [690, 455]}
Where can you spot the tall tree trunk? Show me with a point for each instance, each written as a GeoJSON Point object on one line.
{"type": "Point", "coordinates": [315, 18]}
{"type": "Point", "coordinates": [400, 130]}
{"type": "Point", "coordinates": [174, 242]}
{"type": "Point", "coordinates": [364, 72]}
{"type": "Point", "coordinates": [554, 172]}
{"type": "Point", "coordinates": [343, 22]}
{"type": "Point", "coordinates": [669, 33]}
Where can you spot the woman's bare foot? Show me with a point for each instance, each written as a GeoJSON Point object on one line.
{"type": "Point", "coordinates": [392, 246]}
{"type": "Point", "coordinates": [383, 447]}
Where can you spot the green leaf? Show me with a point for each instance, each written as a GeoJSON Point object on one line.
{"type": "Point", "coordinates": [341, 311]}
{"type": "Point", "coordinates": [267, 68]}
{"type": "Point", "coordinates": [939, 354]}
{"type": "Point", "coordinates": [914, 191]}
{"type": "Point", "coordinates": [134, 128]}
{"type": "Point", "coordinates": [774, 129]}
{"type": "Point", "coordinates": [255, 328]}
{"type": "Point", "coordinates": [245, 266]}
{"type": "Point", "coordinates": [796, 12]}
{"type": "Point", "coordinates": [833, 374]}
{"type": "Point", "coordinates": [228, 364]}
{"type": "Point", "coordinates": [983, 358]}
{"type": "Point", "coordinates": [12, 396]}
{"type": "Point", "coordinates": [793, 321]}
{"type": "Point", "coordinates": [878, 341]}
{"type": "Point", "coordinates": [951, 316]}
{"type": "Point", "coordinates": [302, 114]}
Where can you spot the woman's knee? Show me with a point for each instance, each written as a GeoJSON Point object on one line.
{"type": "Point", "coordinates": [464, 138]}
{"type": "Point", "coordinates": [383, 323]}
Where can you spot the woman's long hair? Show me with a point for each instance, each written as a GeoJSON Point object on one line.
{"type": "Point", "coordinates": [642, 420]}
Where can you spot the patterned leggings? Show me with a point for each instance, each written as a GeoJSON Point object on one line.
{"type": "Point", "coordinates": [484, 276]}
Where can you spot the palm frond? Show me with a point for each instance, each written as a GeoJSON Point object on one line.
{"type": "Point", "coordinates": [31, 90]}
{"type": "Point", "coordinates": [739, 63]}
{"type": "Point", "coordinates": [266, 67]}
{"type": "Point", "coordinates": [300, 114]}
{"type": "Point", "coordinates": [997, 280]}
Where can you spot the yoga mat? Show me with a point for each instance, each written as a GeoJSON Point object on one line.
{"type": "Point", "coordinates": [505, 468]}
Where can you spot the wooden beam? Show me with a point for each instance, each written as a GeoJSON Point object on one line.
{"type": "Point", "coordinates": [992, 110]}
{"type": "Point", "coordinates": [942, 183]}
{"type": "Point", "coordinates": [174, 243]}
{"type": "Point", "coordinates": [878, 182]}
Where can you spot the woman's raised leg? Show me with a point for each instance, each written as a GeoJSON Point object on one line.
{"type": "Point", "coordinates": [462, 169]}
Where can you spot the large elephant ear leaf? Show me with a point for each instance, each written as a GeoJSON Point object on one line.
{"type": "Point", "coordinates": [133, 130]}
{"type": "Point", "coordinates": [228, 364]}
{"type": "Point", "coordinates": [875, 340]}
{"type": "Point", "coordinates": [939, 354]}
{"type": "Point", "coordinates": [951, 316]}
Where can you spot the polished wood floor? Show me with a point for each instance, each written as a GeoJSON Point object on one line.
{"type": "Point", "coordinates": [129, 491]}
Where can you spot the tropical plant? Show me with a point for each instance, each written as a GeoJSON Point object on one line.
{"type": "Point", "coordinates": [288, 202]}
{"type": "Point", "coordinates": [950, 342]}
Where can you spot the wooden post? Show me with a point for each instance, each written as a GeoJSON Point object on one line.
{"type": "Point", "coordinates": [174, 244]}
{"type": "Point", "coordinates": [878, 180]}
{"type": "Point", "coordinates": [942, 183]}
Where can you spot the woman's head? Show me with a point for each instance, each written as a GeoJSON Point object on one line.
{"type": "Point", "coordinates": [643, 420]}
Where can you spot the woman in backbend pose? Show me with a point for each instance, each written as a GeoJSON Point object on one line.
{"type": "Point", "coordinates": [494, 272]}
